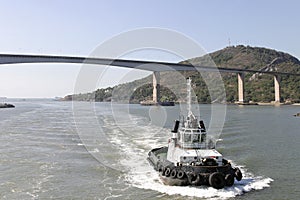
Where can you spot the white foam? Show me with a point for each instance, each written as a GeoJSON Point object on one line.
{"type": "Point", "coordinates": [146, 178]}
{"type": "Point", "coordinates": [95, 150]}
{"type": "Point", "coordinates": [140, 174]}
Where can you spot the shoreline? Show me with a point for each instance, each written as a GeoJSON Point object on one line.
{"type": "Point", "coordinates": [227, 103]}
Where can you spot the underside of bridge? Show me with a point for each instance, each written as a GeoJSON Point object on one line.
{"type": "Point", "coordinates": [155, 67]}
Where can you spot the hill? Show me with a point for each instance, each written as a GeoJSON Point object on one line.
{"type": "Point", "coordinates": [258, 87]}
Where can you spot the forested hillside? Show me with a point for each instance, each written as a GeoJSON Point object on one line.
{"type": "Point", "coordinates": [258, 87]}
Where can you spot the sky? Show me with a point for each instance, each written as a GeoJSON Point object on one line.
{"type": "Point", "coordinates": [77, 28]}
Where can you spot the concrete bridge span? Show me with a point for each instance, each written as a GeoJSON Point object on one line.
{"type": "Point", "coordinates": [155, 67]}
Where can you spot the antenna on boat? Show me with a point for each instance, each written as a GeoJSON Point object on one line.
{"type": "Point", "coordinates": [189, 96]}
{"type": "Point", "coordinates": [191, 120]}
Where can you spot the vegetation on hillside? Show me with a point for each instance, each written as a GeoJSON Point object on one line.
{"type": "Point", "coordinates": [258, 87]}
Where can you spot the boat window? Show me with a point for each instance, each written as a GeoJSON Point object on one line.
{"type": "Point", "coordinates": [195, 138]}
{"type": "Point", "coordinates": [187, 137]}
{"type": "Point", "coordinates": [203, 137]}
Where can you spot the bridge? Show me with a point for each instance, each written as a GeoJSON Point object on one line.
{"type": "Point", "coordinates": [155, 67]}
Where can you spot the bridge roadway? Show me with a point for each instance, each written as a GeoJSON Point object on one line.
{"type": "Point", "coordinates": [136, 64]}
{"type": "Point", "coordinates": [156, 67]}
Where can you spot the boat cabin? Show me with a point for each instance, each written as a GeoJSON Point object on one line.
{"type": "Point", "coordinates": [191, 138]}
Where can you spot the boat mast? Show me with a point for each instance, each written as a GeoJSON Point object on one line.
{"type": "Point", "coordinates": [191, 120]}
{"type": "Point", "coordinates": [189, 96]}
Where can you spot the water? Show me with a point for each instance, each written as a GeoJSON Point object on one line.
{"type": "Point", "coordinates": [50, 150]}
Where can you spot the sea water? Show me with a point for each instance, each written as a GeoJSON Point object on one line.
{"type": "Point", "coordinates": [83, 150]}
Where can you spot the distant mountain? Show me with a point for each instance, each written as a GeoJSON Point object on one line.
{"type": "Point", "coordinates": [247, 57]}
{"type": "Point", "coordinates": [258, 87]}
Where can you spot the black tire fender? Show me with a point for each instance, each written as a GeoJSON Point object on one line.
{"type": "Point", "coordinates": [180, 174]}
{"type": "Point", "coordinates": [238, 174]}
{"type": "Point", "coordinates": [173, 173]}
{"type": "Point", "coordinates": [217, 180]}
{"type": "Point", "coordinates": [194, 179]}
{"type": "Point", "coordinates": [167, 172]}
{"type": "Point", "coordinates": [229, 180]}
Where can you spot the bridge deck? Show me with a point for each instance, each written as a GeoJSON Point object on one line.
{"type": "Point", "coordinates": [136, 64]}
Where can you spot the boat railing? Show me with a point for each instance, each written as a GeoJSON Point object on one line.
{"type": "Point", "coordinates": [189, 145]}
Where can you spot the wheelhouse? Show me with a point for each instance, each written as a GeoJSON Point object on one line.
{"type": "Point", "coordinates": [191, 138]}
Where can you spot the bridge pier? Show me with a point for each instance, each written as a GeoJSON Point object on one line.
{"type": "Point", "coordinates": [241, 78]}
{"type": "Point", "coordinates": [156, 87]}
{"type": "Point", "coordinates": [277, 88]}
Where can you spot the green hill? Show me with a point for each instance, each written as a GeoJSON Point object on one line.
{"type": "Point", "coordinates": [258, 87]}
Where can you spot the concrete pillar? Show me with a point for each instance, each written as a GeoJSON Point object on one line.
{"type": "Point", "coordinates": [277, 88]}
{"type": "Point", "coordinates": [241, 77]}
{"type": "Point", "coordinates": [156, 87]}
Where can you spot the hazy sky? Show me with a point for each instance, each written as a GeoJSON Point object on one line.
{"type": "Point", "coordinates": [65, 27]}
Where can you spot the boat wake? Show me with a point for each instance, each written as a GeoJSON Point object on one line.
{"type": "Point", "coordinates": [138, 173]}
{"type": "Point", "coordinates": [148, 179]}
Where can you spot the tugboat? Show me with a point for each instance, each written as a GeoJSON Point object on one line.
{"type": "Point", "coordinates": [190, 157]}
